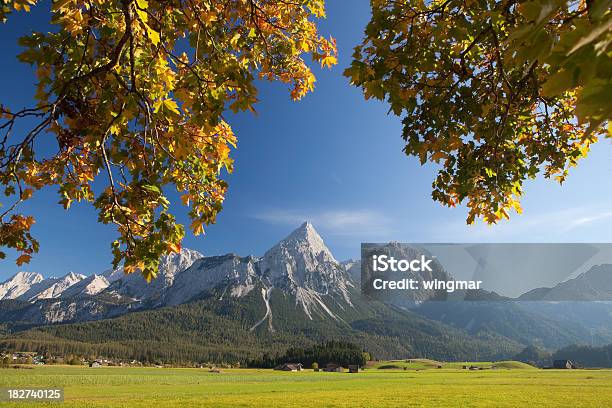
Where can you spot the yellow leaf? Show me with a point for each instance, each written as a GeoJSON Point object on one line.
{"type": "Point", "coordinates": [234, 39]}
{"type": "Point", "coordinates": [131, 268]}
{"type": "Point", "coordinates": [152, 34]}
{"type": "Point", "coordinates": [149, 275]}
{"type": "Point", "coordinates": [157, 105]}
{"type": "Point", "coordinates": [197, 226]}
{"type": "Point", "coordinates": [58, 4]}
{"type": "Point", "coordinates": [329, 61]}
{"type": "Point", "coordinates": [170, 104]}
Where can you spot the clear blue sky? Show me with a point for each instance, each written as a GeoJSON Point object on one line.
{"type": "Point", "coordinates": [333, 158]}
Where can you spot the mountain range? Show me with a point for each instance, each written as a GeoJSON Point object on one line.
{"type": "Point", "coordinates": [232, 307]}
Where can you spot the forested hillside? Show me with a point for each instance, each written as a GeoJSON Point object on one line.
{"type": "Point", "coordinates": [219, 330]}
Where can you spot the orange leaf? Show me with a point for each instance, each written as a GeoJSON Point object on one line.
{"type": "Point", "coordinates": [23, 259]}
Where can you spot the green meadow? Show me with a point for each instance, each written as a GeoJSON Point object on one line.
{"type": "Point", "coordinates": [416, 385]}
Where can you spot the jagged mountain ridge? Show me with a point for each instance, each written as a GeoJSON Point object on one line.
{"type": "Point", "coordinates": [134, 287]}
{"type": "Point", "coordinates": [296, 285]}
{"type": "Point", "coordinates": [30, 286]}
{"type": "Point", "coordinates": [19, 284]}
{"type": "Point", "coordinates": [300, 265]}
{"type": "Point", "coordinates": [218, 327]}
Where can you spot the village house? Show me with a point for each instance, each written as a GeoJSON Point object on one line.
{"type": "Point", "coordinates": [563, 364]}
{"type": "Point", "coordinates": [289, 367]}
{"type": "Point", "coordinates": [334, 368]}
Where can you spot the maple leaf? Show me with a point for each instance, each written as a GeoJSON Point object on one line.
{"type": "Point", "coordinates": [493, 95]}
{"type": "Point", "coordinates": [140, 97]}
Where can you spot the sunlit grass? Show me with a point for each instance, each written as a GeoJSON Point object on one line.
{"type": "Point", "coordinates": [164, 387]}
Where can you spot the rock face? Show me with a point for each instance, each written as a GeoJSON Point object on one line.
{"type": "Point", "coordinates": [353, 268]}
{"type": "Point", "coordinates": [238, 274]}
{"type": "Point", "coordinates": [300, 266]}
{"type": "Point", "coordinates": [91, 285]}
{"type": "Point", "coordinates": [133, 286]}
{"type": "Point", "coordinates": [303, 266]}
{"type": "Point", "coordinates": [19, 284]}
{"type": "Point", "coordinates": [52, 287]}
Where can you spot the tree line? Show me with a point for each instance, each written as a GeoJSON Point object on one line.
{"type": "Point", "coordinates": [581, 355]}
{"type": "Point", "coordinates": [337, 352]}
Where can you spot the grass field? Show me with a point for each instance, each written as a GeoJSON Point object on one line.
{"type": "Point", "coordinates": [184, 387]}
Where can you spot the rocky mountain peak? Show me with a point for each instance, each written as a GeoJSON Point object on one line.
{"type": "Point", "coordinates": [301, 264]}
{"type": "Point", "coordinates": [52, 287]}
{"type": "Point", "coordinates": [174, 263]}
{"type": "Point", "coordinates": [306, 237]}
{"type": "Point", "coordinates": [73, 277]}
{"type": "Point", "coordinates": [300, 257]}
{"type": "Point", "coordinates": [18, 284]}
{"type": "Point", "coordinates": [90, 285]}
{"type": "Point", "coordinates": [26, 277]}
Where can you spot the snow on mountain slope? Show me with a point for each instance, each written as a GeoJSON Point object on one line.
{"type": "Point", "coordinates": [19, 284]}
{"type": "Point", "coordinates": [134, 285]}
{"type": "Point", "coordinates": [52, 287]}
{"type": "Point", "coordinates": [302, 265]}
{"type": "Point", "coordinates": [209, 272]}
{"type": "Point", "coordinates": [113, 275]}
{"type": "Point", "coordinates": [91, 285]}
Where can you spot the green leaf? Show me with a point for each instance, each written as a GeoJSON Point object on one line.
{"type": "Point", "coordinates": [558, 83]}
{"type": "Point", "coordinates": [152, 188]}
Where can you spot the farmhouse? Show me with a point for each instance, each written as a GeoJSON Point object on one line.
{"type": "Point", "coordinates": [563, 364]}
{"type": "Point", "coordinates": [334, 368]}
{"type": "Point", "coordinates": [289, 367]}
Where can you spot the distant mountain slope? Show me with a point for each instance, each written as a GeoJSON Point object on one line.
{"type": "Point", "coordinates": [593, 285]}
{"type": "Point", "coordinates": [231, 306]}
{"type": "Point", "coordinates": [52, 287]}
{"type": "Point", "coordinates": [89, 286]}
{"type": "Point", "coordinates": [224, 328]}
{"type": "Point", "coordinates": [135, 287]}
{"type": "Point", "coordinates": [19, 284]}
{"type": "Point", "coordinates": [525, 322]}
